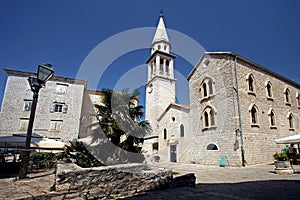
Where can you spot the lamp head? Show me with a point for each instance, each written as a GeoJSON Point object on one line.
{"type": "Point", "coordinates": [45, 72]}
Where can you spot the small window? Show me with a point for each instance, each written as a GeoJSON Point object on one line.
{"type": "Point", "coordinates": [272, 118]}
{"type": "Point", "coordinates": [181, 130]}
{"type": "Point", "coordinates": [291, 121]}
{"type": "Point", "coordinates": [206, 88]}
{"type": "Point", "coordinates": [59, 107]}
{"type": "Point", "coordinates": [173, 119]}
{"type": "Point", "coordinates": [61, 88]}
{"type": "Point", "coordinates": [161, 66]}
{"type": "Point", "coordinates": [27, 105]}
{"type": "Point", "coordinates": [208, 118]}
{"type": "Point", "coordinates": [56, 125]}
{"type": "Point", "coordinates": [212, 147]}
{"type": "Point", "coordinates": [158, 47]}
{"type": "Point", "coordinates": [251, 82]}
{"type": "Point", "coordinates": [24, 124]}
{"type": "Point", "coordinates": [287, 96]}
{"type": "Point", "coordinates": [298, 100]}
{"type": "Point", "coordinates": [254, 115]}
{"type": "Point", "coordinates": [269, 90]}
{"type": "Point", "coordinates": [165, 134]}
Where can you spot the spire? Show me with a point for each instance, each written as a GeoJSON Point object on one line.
{"type": "Point", "coordinates": [161, 32]}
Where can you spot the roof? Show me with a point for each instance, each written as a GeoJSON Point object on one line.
{"type": "Point", "coordinates": [174, 105]}
{"type": "Point", "coordinates": [161, 53]}
{"type": "Point", "coordinates": [240, 58]}
{"type": "Point", "coordinates": [12, 72]}
{"type": "Point", "coordinates": [161, 32]}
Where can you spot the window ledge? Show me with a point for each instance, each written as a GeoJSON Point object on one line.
{"type": "Point", "coordinates": [251, 93]}
{"type": "Point", "coordinates": [206, 98]}
{"type": "Point", "coordinates": [209, 128]}
{"type": "Point", "coordinates": [288, 103]}
{"type": "Point", "coordinates": [273, 127]}
{"type": "Point", "coordinates": [291, 129]}
{"type": "Point", "coordinates": [255, 125]}
{"type": "Point", "coordinates": [270, 98]}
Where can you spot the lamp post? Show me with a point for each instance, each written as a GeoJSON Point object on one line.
{"type": "Point", "coordinates": [45, 72]}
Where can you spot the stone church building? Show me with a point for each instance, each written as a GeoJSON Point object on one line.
{"type": "Point", "coordinates": [237, 108]}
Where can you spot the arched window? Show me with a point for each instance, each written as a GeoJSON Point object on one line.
{"type": "Point", "coordinates": [251, 83]}
{"type": "Point", "coordinates": [253, 114]}
{"type": "Point", "coordinates": [207, 88]}
{"type": "Point", "coordinates": [272, 118]}
{"type": "Point", "coordinates": [212, 147]}
{"type": "Point", "coordinates": [181, 130]}
{"type": "Point", "coordinates": [287, 96]}
{"type": "Point", "coordinates": [206, 124]}
{"type": "Point", "coordinates": [165, 134]}
{"type": "Point", "coordinates": [269, 89]}
{"type": "Point", "coordinates": [204, 90]}
{"type": "Point", "coordinates": [291, 120]}
{"type": "Point", "coordinates": [208, 117]}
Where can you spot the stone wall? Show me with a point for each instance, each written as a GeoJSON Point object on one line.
{"type": "Point", "coordinates": [114, 181]}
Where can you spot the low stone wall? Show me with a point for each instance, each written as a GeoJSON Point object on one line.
{"type": "Point", "coordinates": [114, 181]}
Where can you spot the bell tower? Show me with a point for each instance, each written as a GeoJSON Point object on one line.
{"type": "Point", "coordinates": [160, 86]}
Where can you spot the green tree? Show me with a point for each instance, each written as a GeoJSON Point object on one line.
{"type": "Point", "coordinates": [120, 116]}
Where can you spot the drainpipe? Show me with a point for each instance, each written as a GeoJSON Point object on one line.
{"type": "Point", "coordinates": [240, 116]}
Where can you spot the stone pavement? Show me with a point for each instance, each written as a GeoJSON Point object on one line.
{"type": "Point", "coordinates": [251, 182]}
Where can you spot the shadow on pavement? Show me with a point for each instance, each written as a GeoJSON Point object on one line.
{"type": "Point", "coordinates": [273, 189]}
{"type": "Point", "coordinates": [9, 169]}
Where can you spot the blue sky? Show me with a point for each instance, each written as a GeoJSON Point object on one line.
{"type": "Point", "coordinates": [64, 32]}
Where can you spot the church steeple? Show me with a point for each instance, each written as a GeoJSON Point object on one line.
{"type": "Point", "coordinates": [161, 40]}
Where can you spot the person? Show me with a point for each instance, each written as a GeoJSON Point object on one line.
{"type": "Point", "coordinates": [292, 151]}
{"type": "Point", "coordinates": [286, 149]}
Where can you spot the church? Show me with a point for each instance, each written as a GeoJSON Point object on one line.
{"type": "Point", "coordinates": [237, 108]}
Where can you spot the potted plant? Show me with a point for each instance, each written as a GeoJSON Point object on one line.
{"type": "Point", "coordinates": [282, 163]}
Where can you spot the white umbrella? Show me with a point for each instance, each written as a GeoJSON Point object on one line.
{"type": "Point", "coordinates": [37, 142]}
{"type": "Point", "coordinates": [294, 139]}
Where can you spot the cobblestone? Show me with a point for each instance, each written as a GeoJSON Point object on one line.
{"type": "Point", "coordinates": [251, 182]}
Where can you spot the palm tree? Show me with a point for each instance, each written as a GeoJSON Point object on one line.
{"type": "Point", "coordinates": [120, 116]}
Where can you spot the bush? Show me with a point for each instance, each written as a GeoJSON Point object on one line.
{"type": "Point", "coordinates": [43, 159]}
{"type": "Point", "coordinates": [281, 156]}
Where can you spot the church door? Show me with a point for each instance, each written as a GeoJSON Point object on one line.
{"type": "Point", "coordinates": [173, 155]}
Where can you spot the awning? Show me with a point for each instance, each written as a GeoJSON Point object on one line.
{"type": "Point", "coordinates": [37, 142]}
{"type": "Point", "coordinates": [294, 139]}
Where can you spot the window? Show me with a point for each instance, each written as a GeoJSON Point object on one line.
{"type": "Point", "coordinates": [208, 117]}
{"type": "Point", "coordinates": [165, 134]}
{"type": "Point", "coordinates": [24, 124]}
{"type": "Point", "coordinates": [212, 147]}
{"type": "Point", "coordinates": [27, 105]}
{"type": "Point", "coordinates": [291, 121]}
{"type": "Point", "coordinates": [253, 115]}
{"type": "Point", "coordinates": [181, 130]}
{"type": "Point", "coordinates": [272, 118]}
{"type": "Point", "coordinates": [269, 91]}
{"type": "Point", "coordinates": [56, 125]}
{"type": "Point", "coordinates": [61, 88]}
{"type": "Point", "coordinates": [287, 96]}
{"type": "Point", "coordinates": [298, 100]}
{"type": "Point", "coordinates": [206, 88]}
{"type": "Point", "coordinates": [251, 83]}
{"type": "Point", "coordinates": [167, 66]}
{"type": "Point", "coordinates": [161, 66]}
{"type": "Point", "coordinates": [59, 107]}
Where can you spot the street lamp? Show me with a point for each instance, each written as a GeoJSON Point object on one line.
{"type": "Point", "coordinates": [45, 72]}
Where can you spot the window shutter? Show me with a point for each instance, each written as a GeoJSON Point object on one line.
{"type": "Point", "coordinates": [65, 109]}
{"type": "Point", "coordinates": [52, 107]}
